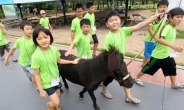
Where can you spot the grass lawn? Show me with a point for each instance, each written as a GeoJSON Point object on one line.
{"type": "Point", "coordinates": [180, 34]}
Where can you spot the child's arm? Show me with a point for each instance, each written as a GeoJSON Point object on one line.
{"type": "Point", "coordinates": [72, 35]}
{"type": "Point", "coordinates": [50, 27]}
{"type": "Point", "coordinates": [3, 30]}
{"type": "Point", "coordinates": [150, 30]}
{"type": "Point", "coordinates": [43, 93]}
{"type": "Point", "coordinates": [70, 49]}
{"type": "Point", "coordinates": [62, 61]}
{"type": "Point", "coordinates": [173, 46]}
{"type": "Point", "coordinates": [146, 22]}
{"type": "Point", "coordinates": [8, 55]}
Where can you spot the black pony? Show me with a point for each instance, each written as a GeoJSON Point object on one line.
{"type": "Point", "coordinates": [91, 72]}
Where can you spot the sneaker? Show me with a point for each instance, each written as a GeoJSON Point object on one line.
{"type": "Point", "coordinates": [14, 60]}
{"type": "Point", "coordinates": [178, 86]}
{"type": "Point", "coordinates": [2, 58]}
{"type": "Point", "coordinates": [138, 82]}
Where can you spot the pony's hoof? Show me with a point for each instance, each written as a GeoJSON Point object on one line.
{"type": "Point", "coordinates": [81, 98]}
{"type": "Point", "coordinates": [66, 88]}
{"type": "Point", "coordinates": [61, 90]}
{"type": "Point", "coordinates": [97, 108]}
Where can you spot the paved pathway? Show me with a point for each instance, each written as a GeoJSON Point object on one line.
{"type": "Point", "coordinates": [17, 93]}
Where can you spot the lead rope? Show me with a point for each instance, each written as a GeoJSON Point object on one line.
{"type": "Point", "coordinates": [168, 16]}
{"type": "Point", "coordinates": [162, 107]}
{"type": "Point", "coordinates": [155, 21]}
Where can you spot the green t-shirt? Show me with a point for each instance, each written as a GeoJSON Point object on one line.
{"type": "Point", "coordinates": [45, 22]}
{"type": "Point", "coordinates": [161, 51]}
{"type": "Point", "coordinates": [46, 62]}
{"type": "Point", "coordinates": [76, 26]}
{"type": "Point", "coordinates": [26, 50]}
{"type": "Point", "coordinates": [83, 45]}
{"type": "Point", "coordinates": [117, 40]}
{"type": "Point", "coordinates": [3, 40]}
{"type": "Point", "coordinates": [154, 28]}
{"type": "Point", "coordinates": [91, 17]}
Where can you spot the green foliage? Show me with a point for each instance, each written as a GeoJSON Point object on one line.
{"type": "Point", "coordinates": [180, 34]}
{"type": "Point", "coordinates": [128, 54]}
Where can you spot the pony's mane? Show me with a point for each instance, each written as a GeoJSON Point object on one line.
{"type": "Point", "coordinates": [92, 71]}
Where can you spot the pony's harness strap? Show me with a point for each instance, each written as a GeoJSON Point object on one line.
{"type": "Point", "coordinates": [124, 78]}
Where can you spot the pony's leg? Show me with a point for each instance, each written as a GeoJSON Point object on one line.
{"type": "Point", "coordinates": [65, 83]}
{"type": "Point", "coordinates": [91, 93]}
{"type": "Point", "coordinates": [81, 94]}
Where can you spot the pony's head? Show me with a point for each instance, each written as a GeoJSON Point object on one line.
{"type": "Point", "coordinates": [117, 67]}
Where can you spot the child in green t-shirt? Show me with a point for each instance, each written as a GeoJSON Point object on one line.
{"type": "Point", "coordinates": [44, 64]}
{"type": "Point", "coordinates": [82, 41]}
{"type": "Point", "coordinates": [91, 16]}
{"type": "Point", "coordinates": [44, 21]}
{"type": "Point", "coordinates": [117, 38]}
{"type": "Point", "coordinates": [75, 26]}
{"type": "Point", "coordinates": [162, 55]}
{"type": "Point", "coordinates": [25, 44]}
{"type": "Point", "coordinates": [149, 42]}
{"type": "Point", "coordinates": [4, 45]}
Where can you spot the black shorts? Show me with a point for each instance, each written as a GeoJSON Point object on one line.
{"type": "Point", "coordinates": [95, 39]}
{"type": "Point", "coordinates": [3, 48]}
{"type": "Point", "coordinates": [168, 66]}
{"type": "Point", "coordinates": [52, 90]}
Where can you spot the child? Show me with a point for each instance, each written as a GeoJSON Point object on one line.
{"type": "Point", "coordinates": [4, 44]}
{"type": "Point", "coordinates": [90, 15]}
{"type": "Point", "coordinates": [161, 56]}
{"type": "Point", "coordinates": [44, 21]}
{"type": "Point", "coordinates": [44, 64]}
{"type": "Point", "coordinates": [162, 6]}
{"type": "Point", "coordinates": [82, 41]}
{"type": "Point", "coordinates": [117, 38]}
{"type": "Point", "coordinates": [25, 44]}
{"type": "Point", "coordinates": [75, 27]}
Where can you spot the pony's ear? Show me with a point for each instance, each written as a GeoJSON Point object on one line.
{"type": "Point", "coordinates": [113, 61]}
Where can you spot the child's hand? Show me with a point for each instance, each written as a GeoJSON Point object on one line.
{"type": "Point", "coordinates": [43, 94]}
{"type": "Point", "coordinates": [67, 53]}
{"type": "Point", "coordinates": [76, 61]}
{"type": "Point", "coordinates": [6, 62]}
{"type": "Point", "coordinates": [177, 48]}
{"type": "Point", "coordinates": [159, 16]}
{"type": "Point", "coordinates": [92, 42]}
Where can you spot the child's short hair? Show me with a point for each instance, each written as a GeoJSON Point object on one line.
{"type": "Point", "coordinates": [162, 2]}
{"type": "Point", "coordinates": [89, 4]}
{"type": "Point", "coordinates": [24, 23]}
{"type": "Point", "coordinates": [84, 21]}
{"type": "Point", "coordinates": [110, 14]}
{"type": "Point", "coordinates": [79, 5]}
{"type": "Point", "coordinates": [37, 30]}
{"type": "Point", "coordinates": [176, 11]}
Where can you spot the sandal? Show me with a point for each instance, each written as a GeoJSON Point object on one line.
{"type": "Point", "coordinates": [49, 108]}
{"type": "Point", "coordinates": [132, 100]}
{"type": "Point", "coordinates": [139, 82]}
{"type": "Point", "coordinates": [178, 86]}
{"type": "Point", "coordinates": [107, 95]}
{"type": "Point", "coordinates": [58, 108]}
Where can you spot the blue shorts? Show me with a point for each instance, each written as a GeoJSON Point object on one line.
{"type": "Point", "coordinates": [28, 70]}
{"type": "Point", "coordinates": [149, 46]}
{"type": "Point", "coordinates": [52, 90]}
{"type": "Point", "coordinates": [95, 39]}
